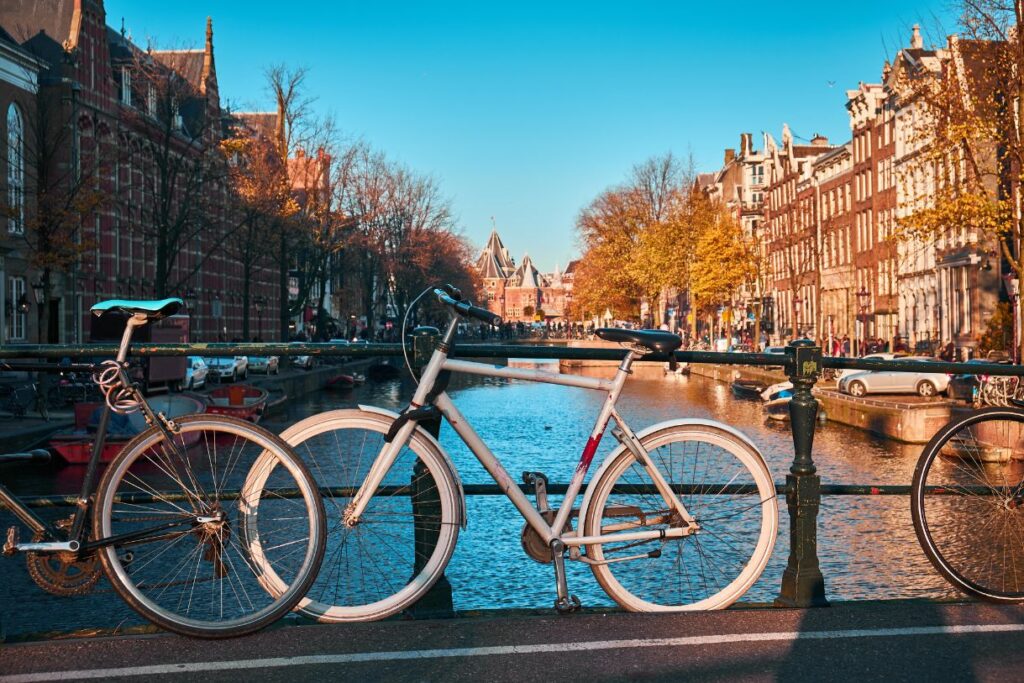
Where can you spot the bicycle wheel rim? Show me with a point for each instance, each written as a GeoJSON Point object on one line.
{"type": "Point", "coordinates": [725, 486]}
{"type": "Point", "coordinates": [202, 579]}
{"type": "Point", "coordinates": [338, 447]}
{"type": "Point", "coordinates": [967, 504]}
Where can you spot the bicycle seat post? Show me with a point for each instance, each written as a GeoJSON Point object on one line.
{"type": "Point", "coordinates": [136, 320]}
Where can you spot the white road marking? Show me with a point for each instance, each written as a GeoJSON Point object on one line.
{"type": "Point", "coordinates": [502, 650]}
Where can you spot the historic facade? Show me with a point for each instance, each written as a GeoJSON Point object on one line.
{"type": "Point", "coordinates": [520, 293]}
{"type": "Point", "coordinates": [121, 119]}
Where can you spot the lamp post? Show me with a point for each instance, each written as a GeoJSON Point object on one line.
{"type": "Point", "coordinates": [863, 300]}
{"type": "Point", "coordinates": [38, 289]}
{"type": "Point", "coordinates": [797, 302]}
{"type": "Point", "coordinates": [191, 303]}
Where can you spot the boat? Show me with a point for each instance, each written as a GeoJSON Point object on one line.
{"type": "Point", "coordinates": [243, 401]}
{"type": "Point", "coordinates": [776, 401]}
{"type": "Point", "coordinates": [75, 447]}
{"type": "Point", "coordinates": [339, 383]}
{"type": "Point", "coordinates": [747, 388]}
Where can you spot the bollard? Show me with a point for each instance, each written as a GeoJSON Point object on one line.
{"type": "Point", "coordinates": [802, 582]}
{"type": "Point", "coordinates": [437, 602]}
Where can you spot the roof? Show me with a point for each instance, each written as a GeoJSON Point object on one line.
{"type": "Point", "coordinates": [494, 261]}
{"type": "Point", "coordinates": [259, 122]}
{"type": "Point", "coordinates": [186, 63]}
{"type": "Point", "coordinates": [527, 276]}
{"type": "Point", "coordinates": [24, 19]}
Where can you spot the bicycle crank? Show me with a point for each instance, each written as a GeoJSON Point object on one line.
{"type": "Point", "coordinates": [63, 573]}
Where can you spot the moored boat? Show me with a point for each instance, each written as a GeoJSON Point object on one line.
{"type": "Point", "coordinates": [75, 447]}
{"type": "Point", "coordinates": [244, 401]}
{"type": "Point", "coordinates": [747, 388]}
{"type": "Point", "coordinates": [344, 381]}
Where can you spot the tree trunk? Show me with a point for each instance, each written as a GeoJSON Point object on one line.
{"type": "Point", "coordinates": [282, 285]}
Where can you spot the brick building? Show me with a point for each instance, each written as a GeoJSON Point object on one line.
{"type": "Point", "coordinates": [520, 293]}
{"type": "Point", "coordinates": [134, 118]}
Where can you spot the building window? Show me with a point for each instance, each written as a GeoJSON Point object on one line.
{"type": "Point", "coordinates": [126, 86]}
{"type": "Point", "coordinates": [16, 320]}
{"type": "Point", "coordinates": [151, 101]}
{"type": "Point", "coordinates": [15, 171]}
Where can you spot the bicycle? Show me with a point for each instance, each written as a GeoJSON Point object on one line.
{"type": "Point", "coordinates": [967, 503]}
{"type": "Point", "coordinates": [173, 518]}
{"type": "Point", "coordinates": [22, 398]}
{"type": "Point", "coordinates": [681, 515]}
{"type": "Point", "coordinates": [996, 390]}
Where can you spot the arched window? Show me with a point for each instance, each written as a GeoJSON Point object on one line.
{"type": "Point", "coordinates": [15, 170]}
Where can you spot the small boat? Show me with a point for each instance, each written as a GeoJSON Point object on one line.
{"type": "Point", "coordinates": [776, 401]}
{"type": "Point", "coordinates": [244, 401]}
{"type": "Point", "coordinates": [75, 447]}
{"type": "Point", "coordinates": [747, 388]}
{"type": "Point", "coordinates": [777, 391]}
{"type": "Point", "coordinates": [340, 383]}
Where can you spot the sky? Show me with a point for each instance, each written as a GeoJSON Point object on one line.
{"type": "Point", "coordinates": [525, 112]}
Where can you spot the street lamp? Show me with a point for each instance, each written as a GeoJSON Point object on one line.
{"type": "Point", "coordinates": [863, 300]}
{"type": "Point", "coordinates": [797, 301]}
{"type": "Point", "coordinates": [259, 300]}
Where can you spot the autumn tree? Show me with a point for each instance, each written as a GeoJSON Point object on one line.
{"type": "Point", "coordinates": [723, 257]}
{"type": "Point", "coordinates": [967, 134]}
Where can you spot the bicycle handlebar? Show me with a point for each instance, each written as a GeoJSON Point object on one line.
{"type": "Point", "coordinates": [465, 308]}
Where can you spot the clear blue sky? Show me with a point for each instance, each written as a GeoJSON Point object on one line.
{"type": "Point", "coordinates": [526, 111]}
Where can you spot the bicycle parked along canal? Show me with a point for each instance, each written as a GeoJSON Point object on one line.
{"type": "Point", "coordinates": [174, 521]}
{"type": "Point", "coordinates": [681, 515]}
{"type": "Point", "coordinates": [967, 502]}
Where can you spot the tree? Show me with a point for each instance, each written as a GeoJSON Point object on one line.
{"type": "Point", "coordinates": [965, 180]}
{"type": "Point", "coordinates": [179, 148]}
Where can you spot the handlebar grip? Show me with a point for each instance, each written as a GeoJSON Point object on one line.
{"type": "Point", "coordinates": [481, 314]}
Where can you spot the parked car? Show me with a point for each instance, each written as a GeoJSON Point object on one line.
{"type": "Point", "coordinates": [923, 382]}
{"type": "Point", "coordinates": [268, 364]}
{"type": "Point", "coordinates": [871, 356]}
{"type": "Point", "coordinates": [964, 386]}
{"type": "Point", "coordinates": [231, 368]}
{"type": "Point", "coordinates": [304, 362]}
{"type": "Point", "coordinates": [195, 373]}
{"type": "Point", "coordinates": [776, 350]}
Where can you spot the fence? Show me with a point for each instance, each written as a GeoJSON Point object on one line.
{"type": "Point", "coordinates": [802, 581]}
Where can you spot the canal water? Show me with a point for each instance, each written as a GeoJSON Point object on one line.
{"type": "Point", "coordinates": [866, 544]}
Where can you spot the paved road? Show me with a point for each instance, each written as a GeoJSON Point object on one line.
{"type": "Point", "coordinates": [862, 642]}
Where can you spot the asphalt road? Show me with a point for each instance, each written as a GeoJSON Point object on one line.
{"type": "Point", "coordinates": [893, 641]}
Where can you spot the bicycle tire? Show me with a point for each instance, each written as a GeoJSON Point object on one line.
{"type": "Point", "coordinates": [967, 503]}
{"type": "Point", "coordinates": [164, 577]}
{"type": "Point", "coordinates": [338, 447]}
{"type": "Point", "coordinates": [737, 533]}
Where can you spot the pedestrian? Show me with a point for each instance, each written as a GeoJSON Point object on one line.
{"type": "Point", "coordinates": [845, 345]}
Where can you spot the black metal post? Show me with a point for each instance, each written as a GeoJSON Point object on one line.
{"type": "Point", "coordinates": [802, 582]}
{"type": "Point", "coordinates": [437, 602]}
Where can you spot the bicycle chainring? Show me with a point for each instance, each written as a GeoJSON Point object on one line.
{"type": "Point", "coordinates": [63, 573]}
{"type": "Point", "coordinates": [533, 545]}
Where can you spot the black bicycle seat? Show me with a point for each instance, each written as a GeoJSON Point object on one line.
{"type": "Point", "coordinates": [655, 340]}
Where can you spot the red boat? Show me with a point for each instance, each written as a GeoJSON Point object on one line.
{"type": "Point", "coordinates": [243, 401]}
{"type": "Point", "coordinates": [75, 447]}
{"type": "Point", "coordinates": [344, 382]}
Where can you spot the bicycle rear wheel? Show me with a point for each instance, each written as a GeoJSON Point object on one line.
{"type": "Point", "coordinates": [967, 503]}
{"type": "Point", "coordinates": [192, 556]}
{"type": "Point", "coordinates": [723, 483]}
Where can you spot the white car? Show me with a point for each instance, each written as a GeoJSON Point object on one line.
{"type": "Point", "coordinates": [304, 362]}
{"type": "Point", "coordinates": [876, 356]}
{"type": "Point", "coordinates": [231, 368]}
{"type": "Point", "coordinates": [195, 373]}
{"type": "Point", "coordinates": [923, 382]}
{"type": "Point", "coordinates": [268, 364]}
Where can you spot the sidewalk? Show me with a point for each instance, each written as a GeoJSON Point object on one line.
{"type": "Point", "coordinates": [888, 641]}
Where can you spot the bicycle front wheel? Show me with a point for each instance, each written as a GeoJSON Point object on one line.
{"type": "Point", "coordinates": [190, 554]}
{"type": "Point", "coordinates": [967, 503]}
{"type": "Point", "coordinates": [725, 486]}
{"type": "Point", "coordinates": [402, 542]}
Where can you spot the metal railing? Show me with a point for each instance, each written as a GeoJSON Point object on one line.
{"type": "Point", "coordinates": [802, 581]}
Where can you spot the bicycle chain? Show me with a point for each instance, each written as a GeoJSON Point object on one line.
{"type": "Point", "coordinates": [63, 573]}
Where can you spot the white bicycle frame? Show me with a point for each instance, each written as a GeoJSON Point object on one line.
{"type": "Point", "coordinates": [557, 529]}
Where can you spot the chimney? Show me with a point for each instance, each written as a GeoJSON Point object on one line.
{"type": "Point", "coordinates": [915, 38]}
{"type": "Point", "coordinates": [746, 144]}
{"type": "Point", "coordinates": [819, 140]}
{"type": "Point", "coordinates": [730, 155]}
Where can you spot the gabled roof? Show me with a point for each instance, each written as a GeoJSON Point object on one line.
{"type": "Point", "coordinates": [186, 63]}
{"type": "Point", "coordinates": [527, 276]}
{"type": "Point", "coordinates": [494, 261]}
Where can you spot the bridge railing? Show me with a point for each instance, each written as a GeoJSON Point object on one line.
{"type": "Point", "coordinates": [802, 583]}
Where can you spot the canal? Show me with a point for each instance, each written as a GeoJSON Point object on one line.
{"type": "Point", "coordinates": [866, 544]}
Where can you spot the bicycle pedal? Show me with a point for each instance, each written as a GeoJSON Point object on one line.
{"type": "Point", "coordinates": [11, 546]}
